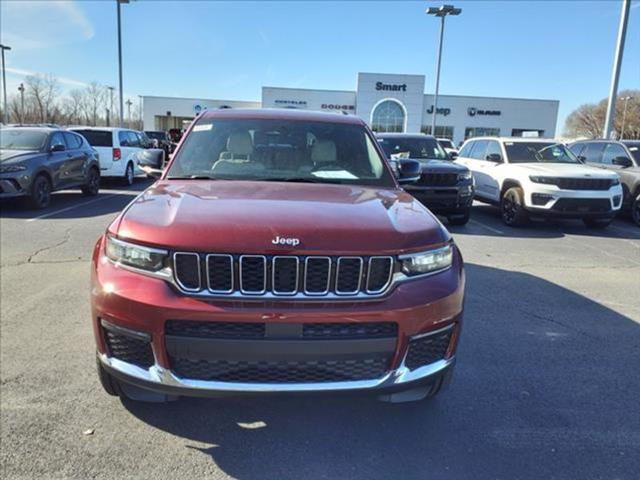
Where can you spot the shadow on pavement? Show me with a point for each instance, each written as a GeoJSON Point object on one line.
{"type": "Point", "coordinates": [486, 221]}
{"type": "Point", "coordinates": [113, 197]}
{"type": "Point", "coordinates": [545, 387]}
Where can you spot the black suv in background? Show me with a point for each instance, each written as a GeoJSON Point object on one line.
{"type": "Point", "coordinates": [161, 140]}
{"type": "Point", "coordinates": [34, 161]}
{"type": "Point", "coordinates": [622, 157]}
{"type": "Point", "coordinates": [444, 187]}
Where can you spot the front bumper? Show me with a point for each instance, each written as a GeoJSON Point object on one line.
{"type": "Point", "coordinates": [11, 188]}
{"type": "Point", "coordinates": [144, 305]}
{"type": "Point", "coordinates": [550, 201]}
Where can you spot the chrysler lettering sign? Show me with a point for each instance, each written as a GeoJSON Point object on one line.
{"type": "Point", "coordinates": [391, 87]}
{"type": "Point", "coordinates": [472, 111]}
{"type": "Point", "coordinates": [291, 102]}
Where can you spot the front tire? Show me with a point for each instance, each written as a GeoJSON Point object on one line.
{"type": "Point", "coordinates": [92, 187]}
{"type": "Point", "coordinates": [40, 192]}
{"type": "Point", "coordinates": [597, 223]}
{"type": "Point", "coordinates": [635, 210]}
{"type": "Point", "coordinates": [128, 175]}
{"type": "Point", "coordinates": [512, 208]}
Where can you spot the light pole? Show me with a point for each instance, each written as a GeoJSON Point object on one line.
{"type": "Point", "coordinates": [21, 90]}
{"type": "Point", "coordinates": [129, 103]}
{"type": "Point", "coordinates": [120, 62]}
{"type": "Point", "coordinates": [441, 12]}
{"type": "Point", "coordinates": [111, 89]}
{"type": "Point", "coordinates": [624, 115]}
{"type": "Point", "coordinates": [4, 85]}
{"type": "Point", "coordinates": [615, 75]}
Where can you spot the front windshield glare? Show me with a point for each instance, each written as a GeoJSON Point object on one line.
{"type": "Point", "coordinates": [415, 148]}
{"type": "Point", "coordinates": [532, 152]}
{"type": "Point", "coordinates": [280, 150]}
{"type": "Point", "coordinates": [21, 139]}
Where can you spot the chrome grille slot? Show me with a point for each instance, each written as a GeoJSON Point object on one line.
{"type": "Point", "coordinates": [253, 274]}
{"type": "Point", "coordinates": [187, 271]}
{"type": "Point", "coordinates": [317, 275]}
{"type": "Point", "coordinates": [285, 274]}
{"type": "Point", "coordinates": [379, 274]}
{"type": "Point", "coordinates": [348, 275]}
{"type": "Point", "coordinates": [220, 273]}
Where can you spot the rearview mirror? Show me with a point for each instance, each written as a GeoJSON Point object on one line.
{"type": "Point", "coordinates": [453, 155]}
{"type": "Point", "coordinates": [623, 162]}
{"type": "Point", "coordinates": [58, 147]}
{"type": "Point", "coordinates": [494, 157]}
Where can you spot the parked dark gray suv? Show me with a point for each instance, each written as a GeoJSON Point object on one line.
{"type": "Point", "coordinates": [622, 157]}
{"type": "Point", "coordinates": [444, 187]}
{"type": "Point", "coordinates": [35, 161]}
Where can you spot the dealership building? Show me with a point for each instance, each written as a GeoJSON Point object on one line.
{"type": "Point", "coordinates": [387, 102]}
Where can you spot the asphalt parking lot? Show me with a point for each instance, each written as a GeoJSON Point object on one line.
{"type": "Point", "coordinates": [546, 384]}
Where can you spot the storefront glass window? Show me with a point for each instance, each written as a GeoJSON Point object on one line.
{"type": "Point", "coordinates": [388, 116]}
{"type": "Point", "coordinates": [481, 132]}
{"type": "Point", "coordinates": [441, 131]}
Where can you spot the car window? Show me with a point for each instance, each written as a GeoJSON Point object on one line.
{"type": "Point", "coordinates": [493, 148]}
{"type": "Point", "coordinates": [576, 149]}
{"type": "Point", "coordinates": [97, 138]}
{"type": "Point", "coordinates": [134, 139]}
{"type": "Point", "coordinates": [57, 139]}
{"type": "Point", "coordinates": [593, 152]}
{"type": "Point", "coordinates": [123, 138]}
{"type": "Point", "coordinates": [634, 148]}
{"type": "Point", "coordinates": [533, 152]}
{"type": "Point", "coordinates": [479, 150]}
{"type": "Point", "coordinates": [466, 149]}
{"type": "Point", "coordinates": [611, 151]}
{"type": "Point", "coordinates": [416, 147]}
{"type": "Point", "coordinates": [281, 150]}
{"type": "Point", "coordinates": [73, 141]}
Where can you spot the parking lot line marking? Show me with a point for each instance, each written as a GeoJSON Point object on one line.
{"type": "Point", "coordinates": [56, 212]}
{"type": "Point", "coordinates": [491, 229]}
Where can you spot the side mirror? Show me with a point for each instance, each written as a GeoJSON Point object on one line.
{"type": "Point", "coordinates": [407, 171]}
{"type": "Point", "coordinates": [151, 161]}
{"type": "Point", "coordinates": [58, 147]}
{"type": "Point", "coordinates": [582, 158]}
{"type": "Point", "coordinates": [494, 157]}
{"type": "Point", "coordinates": [453, 155]}
{"type": "Point", "coordinates": [623, 162]}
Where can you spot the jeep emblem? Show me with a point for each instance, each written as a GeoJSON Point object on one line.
{"type": "Point", "coordinates": [294, 242]}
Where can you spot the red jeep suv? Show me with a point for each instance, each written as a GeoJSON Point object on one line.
{"type": "Point", "coordinates": [276, 253]}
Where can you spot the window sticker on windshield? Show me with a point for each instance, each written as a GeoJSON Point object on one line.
{"type": "Point", "coordinates": [339, 174]}
{"type": "Point", "coordinates": [508, 143]}
{"type": "Point", "coordinates": [633, 149]}
{"type": "Point", "coordinates": [203, 127]}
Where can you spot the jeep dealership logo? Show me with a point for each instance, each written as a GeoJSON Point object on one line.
{"type": "Point", "coordinates": [391, 87]}
{"type": "Point", "coordinates": [472, 111]}
{"type": "Point", "coordinates": [293, 242]}
{"type": "Point", "coordinates": [440, 111]}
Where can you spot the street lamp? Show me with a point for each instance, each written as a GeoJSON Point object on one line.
{"type": "Point", "coordinates": [624, 114]}
{"type": "Point", "coordinates": [120, 62]}
{"type": "Point", "coordinates": [4, 85]}
{"type": "Point", "coordinates": [21, 90]}
{"type": "Point", "coordinates": [441, 12]}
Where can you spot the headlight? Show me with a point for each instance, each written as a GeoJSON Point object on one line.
{"type": "Point", "coordinates": [146, 258]}
{"type": "Point", "coordinates": [427, 262]}
{"type": "Point", "coordinates": [545, 180]}
{"type": "Point", "coordinates": [615, 181]}
{"type": "Point", "coordinates": [465, 176]}
{"type": "Point", "coordinates": [12, 168]}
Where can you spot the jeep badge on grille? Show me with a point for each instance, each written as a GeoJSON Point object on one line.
{"type": "Point", "coordinates": [294, 242]}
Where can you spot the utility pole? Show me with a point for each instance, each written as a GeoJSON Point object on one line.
{"type": "Point", "coordinates": [21, 90]}
{"type": "Point", "coordinates": [441, 12]}
{"type": "Point", "coordinates": [4, 85]}
{"type": "Point", "coordinates": [120, 62]}
{"type": "Point", "coordinates": [615, 76]}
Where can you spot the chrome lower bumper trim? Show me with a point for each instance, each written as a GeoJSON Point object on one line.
{"type": "Point", "coordinates": [157, 375]}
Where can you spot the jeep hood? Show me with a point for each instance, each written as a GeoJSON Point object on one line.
{"type": "Point", "coordinates": [564, 170]}
{"type": "Point", "coordinates": [15, 155]}
{"type": "Point", "coordinates": [245, 217]}
{"type": "Point", "coordinates": [441, 166]}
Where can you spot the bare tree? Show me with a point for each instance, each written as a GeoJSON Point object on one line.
{"type": "Point", "coordinates": [95, 95]}
{"type": "Point", "coordinates": [588, 120]}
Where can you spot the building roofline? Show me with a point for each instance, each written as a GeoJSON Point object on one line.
{"type": "Point", "coordinates": [498, 98]}
{"type": "Point", "coordinates": [310, 89]}
{"type": "Point", "coordinates": [201, 99]}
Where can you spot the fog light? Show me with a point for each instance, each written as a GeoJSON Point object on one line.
{"type": "Point", "coordinates": [541, 198]}
{"type": "Point", "coordinates": [616, 200]}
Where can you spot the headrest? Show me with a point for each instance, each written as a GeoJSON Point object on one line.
{"type": "Point", "coordinates": [323, 151]}
{"type": "Point", "coordinates": [239, 143]}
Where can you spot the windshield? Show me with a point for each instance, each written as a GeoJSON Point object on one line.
{"type": "Point", "coordinates": [21, 139]}
{"type": "Point", "coordinates": [97, 138]}
{"type": "Point", "coordinates": [446, 143]}
{"type": "Point", "coordinates": [533, 152]}
{"type": "Point", "coordinates": [156, 135]}
{"type": "Point", "coordinates": [426, 148]}
{"type": "Point", "coordinates": [634, 148]}
{"type": "Point", "coordinates": [285, 150]}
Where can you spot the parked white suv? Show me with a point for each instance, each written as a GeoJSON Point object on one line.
{"type": "Point", "coordinates": [539, 177]}
{"type": "Point", "coordinates": [118, 149]}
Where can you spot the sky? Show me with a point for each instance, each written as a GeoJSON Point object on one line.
{"type": "Point", "coordinates": [561, 50]}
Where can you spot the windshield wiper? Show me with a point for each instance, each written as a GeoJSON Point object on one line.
{"type": "Point", "coordinates": [300, 180]}
{"type": "Point", "coordinates": [192, 177]}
